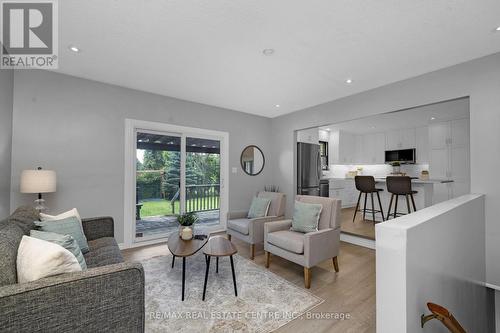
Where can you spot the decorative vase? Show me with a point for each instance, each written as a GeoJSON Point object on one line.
{"type": "Point", "coordinates": [186, 232]}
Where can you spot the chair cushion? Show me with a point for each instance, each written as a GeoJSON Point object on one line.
{"type": "Point", "coordinates": [287, 240]}
{"type": "Point", "coordinates": [259, 207]}
{"type": "Point", "coordinates": [103, 251]}
{"type": "Point", "coordinates": [306, 216]}
{"type": "Point", "coordinates": [10, 237]}
{"type": "Point", "coordinates": [239, 225]}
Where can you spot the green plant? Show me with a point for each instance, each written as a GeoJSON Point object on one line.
{"type": "Point", "coordinates": [395, 164]}
{"type": "Point", "coordinates": [187, 219]}
{"type": "Point", "coordinates": [271, 188]}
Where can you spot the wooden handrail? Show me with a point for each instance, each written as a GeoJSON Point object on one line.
{"type": "Point", "coordinates": [444, 316]}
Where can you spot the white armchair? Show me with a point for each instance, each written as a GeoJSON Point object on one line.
{"type": "Point", "coordinates": [307, 249]}
{"type": "Point", "coordinates": [252, 230]}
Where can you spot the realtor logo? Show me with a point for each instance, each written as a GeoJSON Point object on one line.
{"type": "Point", "coordinates": [29, 34]}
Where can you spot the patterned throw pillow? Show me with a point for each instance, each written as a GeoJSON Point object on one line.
{"type": "Point", "coordinates": [66, 241]}
{"type": "Point", "coordinates": [306, 217]}
{"type": "Point", "coordinates": [259, 207]}
{"type": "Point", "coordinates": [68, 226]}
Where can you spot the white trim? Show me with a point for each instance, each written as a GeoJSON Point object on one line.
{"type": "Point", "coordinates": [492, 286]}
{"type": "Point", "coordinates": [360, 241]}
{"type": "Point", "coordinates": [131, 126]}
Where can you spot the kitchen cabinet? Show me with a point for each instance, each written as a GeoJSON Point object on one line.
{"type": "Point", "coordinates": [342, 148]}
{"type": "Point", "coordinates": [422, 145]}
{"type": "Point", "coordinates": [373, 148]}
{"type": "Point", "coordinates": [449, 157]}
{"type": "Point", "coordinates": [345, 190]}
{"type": "Point", "coordinates": [308, 136]}
{"type": "Point", "coordinates": [400, 139]}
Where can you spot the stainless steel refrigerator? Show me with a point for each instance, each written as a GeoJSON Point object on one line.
{"type": "Point", "coordinates": [308, 168]}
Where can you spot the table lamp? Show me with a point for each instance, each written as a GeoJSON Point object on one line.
{"type": "Point", "coordinates": [38, 181]}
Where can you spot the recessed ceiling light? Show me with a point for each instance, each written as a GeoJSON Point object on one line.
{"type": "Point", "coordinates": [433, 118]}
{"type": "Point", "coordinates": [497, 29]}
{"type": "Point", "coordinates": [74, 48]}
{"type": "Point", "coordinates": [372, 126]}
{"type": "Point", "coordinates": [277, 105]}
{"type": "Point", "coordinates": [327, 129]}
{"type": "Point", "coordinates": [348, 81]}
{"type": "Point", "coordinates": [268, 52]}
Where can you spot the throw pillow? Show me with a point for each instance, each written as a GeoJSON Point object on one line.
{"type": "Point", "coordinates": [65, 241]}
{"type": "Point", "coordinates": [37, 259]}
{"type": "Point", "coordinates": [259, 207]}
{"type": "Point", "coordinates": [69, 213]}
{"type": "Point", "coordinates": [68, 226]}
{"type": "Point", "coordinates": [306, 217]}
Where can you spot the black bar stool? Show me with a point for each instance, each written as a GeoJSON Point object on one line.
{"type": "Point", "coordinates": [400, 185]}
{"type": "Point", "coordinates": [366, 184]}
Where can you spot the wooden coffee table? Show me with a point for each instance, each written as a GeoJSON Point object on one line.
{"type": "Point", "coordinates": [184, 249]}
{"type": "Point", "coordinates": [219, 246]}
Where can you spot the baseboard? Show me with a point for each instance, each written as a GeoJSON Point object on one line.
{"type": "Point", "coordinates": [360, 241]}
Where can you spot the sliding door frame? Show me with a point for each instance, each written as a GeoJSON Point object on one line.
{"type": "Point", "coordinates": [132, 126]}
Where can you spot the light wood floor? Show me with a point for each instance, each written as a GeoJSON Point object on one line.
{"type": "Point", "coordinates": [351, 291]}
{"type": "Point", "coordinates": [361, 228]}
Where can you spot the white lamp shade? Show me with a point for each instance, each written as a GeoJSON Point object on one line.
{"type": "Point", "coordinates": [38, 181]}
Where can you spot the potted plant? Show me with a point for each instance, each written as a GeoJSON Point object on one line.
{"type": "Point", "coordinates": [186, 225]}
{"type": "Point", "coordinates": [396, 167]}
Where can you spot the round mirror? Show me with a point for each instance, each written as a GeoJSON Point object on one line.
{"type": "Point", "coordinates": [252, 160]}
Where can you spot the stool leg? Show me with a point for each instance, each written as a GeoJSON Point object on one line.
{"type": "Point", "coordinates": [373, 208]}
{"type": "Point", "coordinates": [364, 209]}
{"type": "Point", "coordinates": [173, 261]}
{"type": "Point", "coordinates": [357, 207]}
{"type": "Point", "coordinates": [217, 265]}
{"type": "Point", "coordinates": [413, 202]}
{"type": "Point", "coordinates": [390, 206]}
{"type": "Point", "coordinates": [396, 207]}
{"type": "Point", "coordinates": [380, 205]}
{"type": "Point", "coordinates": [408, 204]}
{"type": "Point", "coordinates": [206, 278]}
{"type": "Point", "coordinates": [234, 277]}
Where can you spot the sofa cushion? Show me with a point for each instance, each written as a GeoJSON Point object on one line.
{"type": "Point", "coordinates": [287, 240]}
{"type": "Point", "coordinates": [103, 251]}
{"type": "Point", "coordinates": [24, 217]}
{"type": "Point", "coordinates": [239, 225]}
{"type": "Point", "coordinates": [67, 226]}
{"type": "Point", "coordinates": [10, 237]}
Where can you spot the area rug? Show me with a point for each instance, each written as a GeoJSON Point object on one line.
{"type": "Point", "coordinates": [265, 301]}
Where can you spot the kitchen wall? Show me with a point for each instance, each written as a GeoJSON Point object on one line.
{"type": "Point", "coordinates": [6, 88]}
{"type": "Point", "coordinates": [479, 79]}
{"type": "Point", "coordinates": [76, 127]}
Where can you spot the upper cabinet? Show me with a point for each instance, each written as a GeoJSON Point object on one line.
{"type": "Point", "coordinates": [308, 136]}
{"type": "Point", "coordinates": [342, 148]}
{"type": "Point", "coordinates": [373, 148]}
{"type": "Point", "coordinates": [422, 144]}
{"type": "Point", "coordinates": [400, 139]}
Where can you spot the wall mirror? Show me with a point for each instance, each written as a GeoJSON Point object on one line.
{"type": "Point", "coordinates": [252, 160]}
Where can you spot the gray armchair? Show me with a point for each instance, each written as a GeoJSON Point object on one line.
{"type": "Point", "coordinates": [307, 249]}
{"type": "Point", "coordinates": [252, 230]}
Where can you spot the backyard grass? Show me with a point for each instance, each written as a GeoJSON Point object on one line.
{"type": "Point", "coordinates": [164, 207]}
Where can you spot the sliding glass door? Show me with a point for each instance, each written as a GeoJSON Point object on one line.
{"type": "Point", "coordinates": [175, 173]}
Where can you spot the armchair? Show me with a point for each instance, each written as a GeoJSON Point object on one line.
{"type": "Point", "coordinates": [252, 230]}
{"type": "Point", "coordinates": [307, 249]}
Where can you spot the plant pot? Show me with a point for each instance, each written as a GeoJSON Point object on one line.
{"type": "Point", "coordinates": [186, 232]}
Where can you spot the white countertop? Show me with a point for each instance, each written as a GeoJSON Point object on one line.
{"type": "Point", "coordinates": [415, 181]}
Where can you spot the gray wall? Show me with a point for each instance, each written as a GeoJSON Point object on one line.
{"type": "Point", "coordinates": [6, 92]}
{"type": "Point", "coordinates": [76, 127]}
{"type": "Point", "coordinates": [479, 79]}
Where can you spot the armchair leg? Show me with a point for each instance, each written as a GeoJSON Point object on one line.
{"type": "Point", "coordinates": [335, 264]}
{"type": "Point", "coordinates": [252, 251]}
{"type": "Point", "coordinates": [268, 259]}
{"type": "Point", "coordinates": [307, 277]}
{"type": "Point", "coordinates": [228, 237]}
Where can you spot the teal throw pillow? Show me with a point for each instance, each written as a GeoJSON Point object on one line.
{"type": "Point", "coordinates": [306, 217]}
{"type": "Point", "coordinates": [259, 207]}
{"type": "Point", "coordinates": [66, 241]}
{"type": "Point", "coordinates": [68, 226]}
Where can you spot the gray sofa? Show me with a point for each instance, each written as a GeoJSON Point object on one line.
{"type": "Point", "coordinates": [107, 297]}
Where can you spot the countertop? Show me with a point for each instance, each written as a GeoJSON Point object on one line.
{"type": "Point", "coordinates": [415, 180]}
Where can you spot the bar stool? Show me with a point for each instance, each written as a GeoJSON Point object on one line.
{"type": "Point", "coordinates": [400, 185]}
{"type": "Point", "coordinates": [366, 184]}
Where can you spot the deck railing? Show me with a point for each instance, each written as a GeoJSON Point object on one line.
{"type": "Point", "coordinates": [201, 198]}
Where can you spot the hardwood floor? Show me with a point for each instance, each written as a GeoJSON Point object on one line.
{"type": "Point", "coordinates": [361, 228]}
{"type": "Point", "coordinates": [349, 292]}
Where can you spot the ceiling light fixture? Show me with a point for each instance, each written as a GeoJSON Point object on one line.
{"type": "Point", "coordinates": [497, 29]}
{"type": "Point", "coordinates": [268, 52]}
{"type": "Point", "coordinates": [74, 48]}
{"type": "Point", "coordinates": [327, 129]}
{"type": "Point", "coordinates": [433, 118]}
{"type": "Point", "coordinates": [277, 105]}
{"type": "Point", "coordinates": [348, 81]}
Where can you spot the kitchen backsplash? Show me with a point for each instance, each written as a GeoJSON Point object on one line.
{"type": "Point", "coordinates": [376, 170]}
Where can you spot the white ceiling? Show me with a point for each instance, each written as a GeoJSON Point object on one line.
{"type": "Point", "coordinates": [415, 117]}
{"type": "Point", "coordinates": [211, 51]}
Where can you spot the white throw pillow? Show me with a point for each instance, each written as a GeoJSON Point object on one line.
{"type": "Point", "coordinates": [62, 216]}
{"type": "Point", "coordinates": [37, 259]}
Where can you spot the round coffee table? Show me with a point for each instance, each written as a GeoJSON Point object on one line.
{"type": "Point", "coordinates": [184, 249]}
{"type": "Point", "coordinates": [219, 246]}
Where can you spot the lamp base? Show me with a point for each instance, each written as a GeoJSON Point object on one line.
{"type": "Point", "coordinates": [40, 205]}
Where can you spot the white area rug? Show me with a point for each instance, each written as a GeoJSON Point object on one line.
{"type": "Point", "coordinates": [265, 301]}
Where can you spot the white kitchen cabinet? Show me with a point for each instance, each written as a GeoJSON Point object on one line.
{"type": "Point", "coordinates": [422, 145]}
{"type": "Point", "coordinates": [324, 135]}
{"type": "Point", "coordinates": [373, 148]}
{"type": "Point", "coordinates": [308, 136]}
{"type": "Point", "coordinates": [450, 157]}
{"type": "Point", "coordinates": [345, 190]}
{"type": "Point", "coordinates": [343, 148]}
{"type": "Point", "coordinates": [400, 139]}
